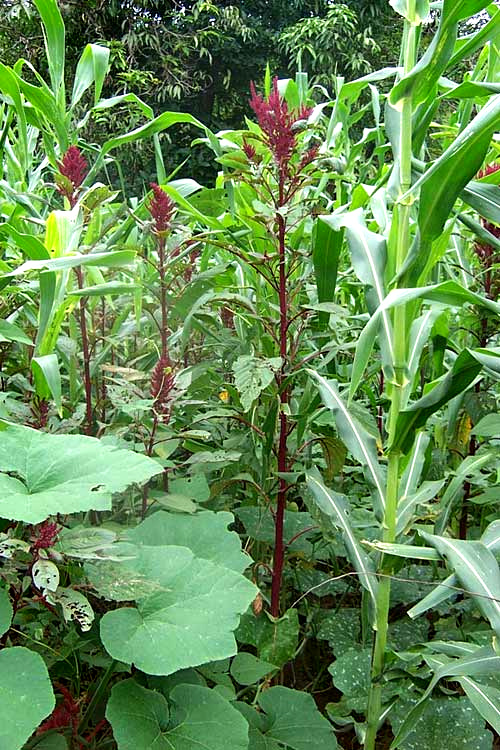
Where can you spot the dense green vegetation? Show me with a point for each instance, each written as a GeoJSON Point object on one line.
{"type": "Point", "coordinates": [249, 455]}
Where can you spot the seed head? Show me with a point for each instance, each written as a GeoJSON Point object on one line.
{"type": "Point", "coordinates": [161, 207]}
{"type": "Point", "coordinates": [277, 123]}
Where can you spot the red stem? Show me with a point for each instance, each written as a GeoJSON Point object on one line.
{"type": "Point", "coordinates": [163, 296]}
{"type": "Point", "coordinates": [87, 382]}
{"type": "Point", "coordinates": [279, 549]}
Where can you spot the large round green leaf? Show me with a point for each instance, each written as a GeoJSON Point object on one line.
{"type": "Point", "coordinates": [205, 534]}
{"type": "Point", "coordinates": [288, 719]}
{"type": "Point", "coordinates": [199, 719]}
{"type": "Point", "coordinates": [26, 695]}
{"type": "Point", "coordinates": [188, 621]}
{"type": "Point", "coordinates": [62, 473]}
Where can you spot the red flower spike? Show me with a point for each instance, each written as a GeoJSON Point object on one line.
{"type": "Point", "coordinates": [46, 536]}
{"type": "Point", "coordinates": [66, 714]}
{"type": "Point", "coordinates": [308, 157]}
{"type": "Point", "coordinates": [249, 150]}
{"type": "Point", "coordinates": [73, 166]}
{"type": "Point", "coordinates": [162, 382]}
{"type": "Point", "coordinates": [277, 122]}
{"type": "Point", "coordinates": [161, 207]}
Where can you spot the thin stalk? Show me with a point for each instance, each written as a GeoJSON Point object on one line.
{"type": "Point", "coordinates": [279, 550]}
{"type": "Point", "coordinates": [87, 382]}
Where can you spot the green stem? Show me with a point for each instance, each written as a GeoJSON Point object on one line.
{"type": "Point", "coordinates": [396, 392]}
{"type": "Point", "coordinates": [97, 697]}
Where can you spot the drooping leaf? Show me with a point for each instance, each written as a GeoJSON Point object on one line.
{"type": "Point", "coordinates": [485, 699]}
{"type": "Point", "coordinates": [333, 505]}
{"type": "Point", "coordinates": [25, 682]}
{"type": "Point", "coordinates": [447, 293]}
{"type": "Point", "coordinates": [196, 719]}
{"type": "Point", "coordinates": [482, 661]}
{"type": "Point", "coordinates": [62, 473]}
{"type": "Point", "coordinates": [476, 569]}
{"type": "Point", "coordinates": [358, 441]}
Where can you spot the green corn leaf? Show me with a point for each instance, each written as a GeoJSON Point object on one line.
{"type": "Point", "coordinates": [407, 503]}
{"type": "Point", "coordinates": [490, 539]}
{"type": "Point", "coordinates": [91, 69]}
{"type": "Point", "coordinates": [9, 85]}
{"type": "Point", "coordinates": [113, 259]}
{"type": "Point", "coordinates": [464, 371]}
{"type": "Point", "coordinates": [55, 45]}
{"type": "Point", "coordinates": [30, 245]}
{"type": "Point", "coordinates": [468, 45]}
{"type": "Point", "coordinates": [108, 288]}
{"type": "Point", "coordinates": [443, 182]}
{"type": "Point", "coordinates": [409, 480]}
{"type": "Point", "coordinates": [157, 125]}
{"type": "Point", "coordinates": [483, 198]}
{"type": "Point", "coordinates": [419, 334]}
{"type": "Point", "coordinates": [333, 505]}
{"type": "Point", "coordinates": [327, 245]}
{"type": "Point", "coordinates": [476, 569]}
{"type": "Point", "coordinates": [369, 258]}
{"type": "Point", "coordinates": [359, 442]}
{"type": "Point", "coordinates": [47, 378]}
{"type": "Point", "coordinates": [446, 293]}
{"type": "Point", "coordinates": [420, 82]}
{"type": "Point", "coordinates": [414, 12]}
{"type": "Point", "coordinates": [482, 661]}
{"type": "Point", "coordinates": [11, 332]}
{"type": "Point", "coordinates": [485, 699]}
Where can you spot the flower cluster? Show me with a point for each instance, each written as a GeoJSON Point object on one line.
{"type": "Point", "coordinates": [46, 536]}
{"type": "Point", "coordinates": [66, 714]}
{"type": "Point", "coordinates": [161, 207]}
{"type": "Point", "coordinates": [162, 383]}
{"type": "Point", "coordinates": [72, 172]}
{"type": "Point", "coordinates": [278, 124]}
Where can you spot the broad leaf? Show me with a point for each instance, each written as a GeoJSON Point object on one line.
{"type": "Point", "coordinates": [205, 534]}
{"type": "Point", "coordinates": [62, 473]}
{"type": "Point", "coordinates": [196, 719]}
{"type": "Point", "coordinates": [253, 375]}
{"type": "Point", "coordinates": [25, 682]}
{"type": "Point", "coordinates": [288, 719]}
{"type": "Point", "coordinates": [187, 622]}
{"type": "Point", "coordinates": [247, 669]}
